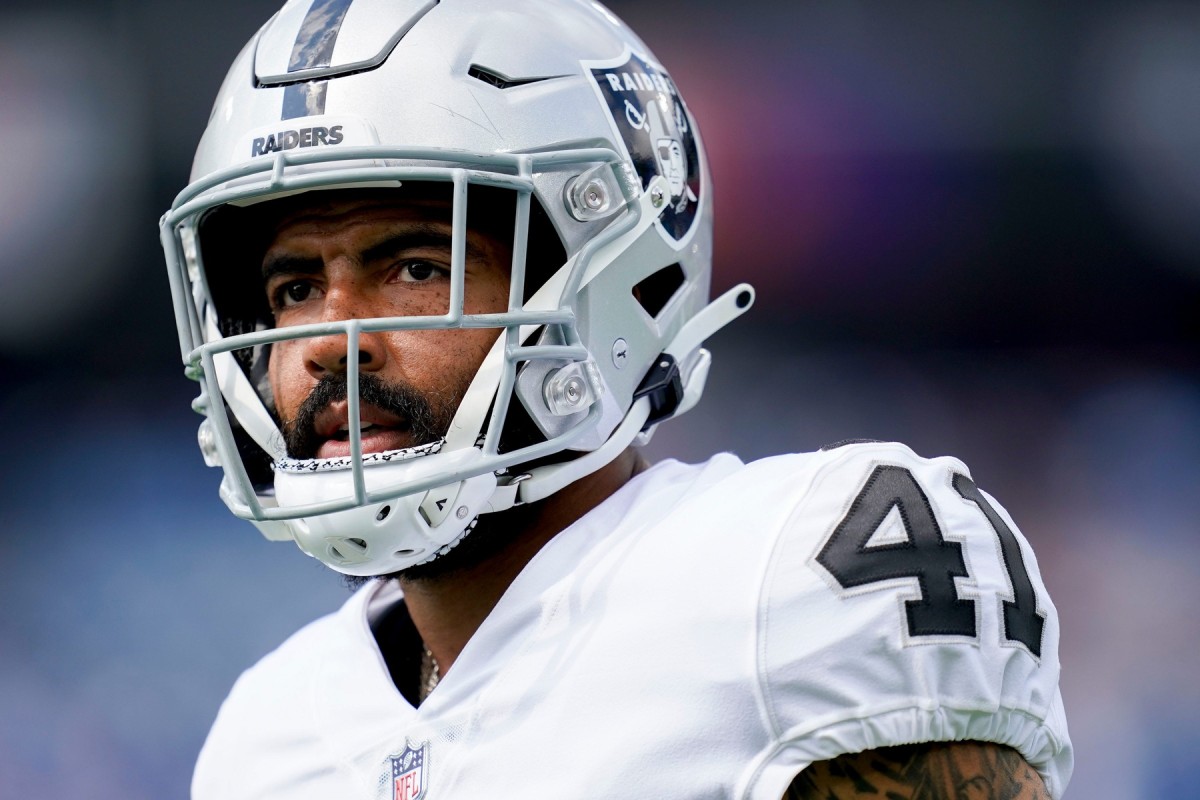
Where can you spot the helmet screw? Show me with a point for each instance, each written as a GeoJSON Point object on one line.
{"type": "Point", "coordinates": [207, 438]}
{"type": "Point", "coordinates": [620, 353]}
{"type": "Point", "coordinates": [594, 196]}
{"type": "Point", "coordinates": [657, 196]}
{"type": "Point", "coordinates": [461, 513]}
{"type": "Point", "coordinates": [588, 196]}
{"type": "Point", "coordinates": [573, 390]}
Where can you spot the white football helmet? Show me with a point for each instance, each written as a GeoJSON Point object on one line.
{"type": "Point", "coordinates": [555, 101]}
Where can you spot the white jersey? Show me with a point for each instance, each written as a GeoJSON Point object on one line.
{"type": "Point", "coordinates": [706, 632]}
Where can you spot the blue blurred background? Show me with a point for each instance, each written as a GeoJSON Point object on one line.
{"type": "Point", "coordinates": [974, 228]}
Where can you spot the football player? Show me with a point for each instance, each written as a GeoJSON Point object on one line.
{"type": "Point", "coordinates": [440, 269]}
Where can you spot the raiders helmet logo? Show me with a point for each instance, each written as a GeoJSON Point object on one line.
{"type": "Point", "coordinates": [658, 133]}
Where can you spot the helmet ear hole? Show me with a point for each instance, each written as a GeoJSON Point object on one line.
{"type": "Point", "coordinates": [655, 291]}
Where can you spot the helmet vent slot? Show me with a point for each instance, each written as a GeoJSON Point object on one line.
{"type": "Point", "coordinates": [657, 290]}
{"type": "Point", "coordinates": [500, 81]}
{"type": "Point", "coordinates": [345, 550]}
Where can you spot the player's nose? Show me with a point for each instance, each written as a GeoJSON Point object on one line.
{"type": "Point", "coordinates": [331, 354]}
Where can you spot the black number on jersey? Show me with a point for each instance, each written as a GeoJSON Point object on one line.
{"type": "Point", "coordinates": [928, 557]}
{"type": "Point", "coordinates": [1022, 622]}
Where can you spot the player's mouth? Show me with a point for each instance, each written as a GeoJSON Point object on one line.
{"type": "Point", "coordinates": [380, 430]}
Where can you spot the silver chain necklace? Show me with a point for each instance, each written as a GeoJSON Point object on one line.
{"type": "Point", "coordinates": [430, 673]}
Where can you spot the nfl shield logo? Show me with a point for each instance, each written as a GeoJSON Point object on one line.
{"type": "Point", "coordinates": [408, 772]}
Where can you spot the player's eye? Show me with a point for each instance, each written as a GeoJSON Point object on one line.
{"type": "Point", "coordinates": [291, 293]}
{"type": "Point", "coordinates": [421, 271]}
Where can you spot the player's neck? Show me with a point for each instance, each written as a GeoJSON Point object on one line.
{"type": "Point", "coordinates": [447, 609]}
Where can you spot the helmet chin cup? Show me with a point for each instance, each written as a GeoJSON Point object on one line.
{"type": "Point", "coordinates": [387, 535]}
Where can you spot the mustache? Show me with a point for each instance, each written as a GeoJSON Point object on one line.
{"type": "Point", "coordinates": [427, 419]}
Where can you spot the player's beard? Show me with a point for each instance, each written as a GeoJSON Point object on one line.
{"type": "Point", "coordinates": [427, 419]}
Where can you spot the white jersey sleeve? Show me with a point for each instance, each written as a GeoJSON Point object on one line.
{"type": "Point", "coordinates": [902, 605]}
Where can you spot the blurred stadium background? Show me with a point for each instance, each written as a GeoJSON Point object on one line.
{"type": "Point", "coordinates": [974, 228]}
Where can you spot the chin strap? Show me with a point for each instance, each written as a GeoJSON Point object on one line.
{"type": "Point", "coordinates": [545, 481]}
{"type": "Point", "coordinates": [541, 482]}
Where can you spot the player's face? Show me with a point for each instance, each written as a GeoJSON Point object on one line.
{"type": "Point", "coordinates": [361, 258]}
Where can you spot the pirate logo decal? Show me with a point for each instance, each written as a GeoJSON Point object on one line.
{"type": "Point", "coordinates": [648, 112]}
{"type": "Point", "coordinates": [408, 773]}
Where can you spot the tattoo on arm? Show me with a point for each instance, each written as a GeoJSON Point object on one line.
{"type": "Point", "coordinates": [931, 771]}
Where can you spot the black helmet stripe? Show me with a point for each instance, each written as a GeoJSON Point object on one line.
{"type": "Point", "coordinates": [313, 48]}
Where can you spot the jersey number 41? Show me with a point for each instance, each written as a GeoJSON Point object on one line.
{"type": "Point", "coordinates": [929, 557]}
